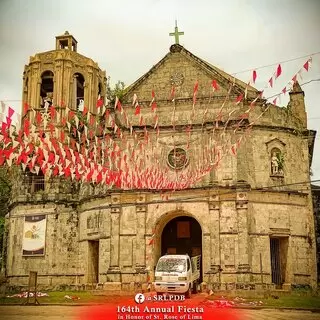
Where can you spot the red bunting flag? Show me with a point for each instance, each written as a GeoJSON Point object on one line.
{"type": "Point", "coordinates": [99, 103]}
{"type": "Point", "coordinates": [306, 65]}
{"type": "Point", "coordinates": [239, 98]}
{"type": "Point", "coordinates": [215, 85]}
{"type": "Point", "coordinates": [172, 93]}
{"type": "Point", "coordinates": [254, 76]}
{"type": "Point", "coordinates": [10, 112]}
{"type": "Point", "coordinates": [38, 118]}
{"type": "Point", "coordinates": [85, 111]}
{"type": "Point", "coordinates": [71, 114]}
{"type": "Point", "coordinates": [234, 149]}
{"type": "Point", "coordinates": [138, 110]}
{"type": "Point", "coordinates": [279, 71]}
{"type": "Point", "coordinates": [153, 106]}
{"type": "Point", "coordinates": [284, 90]}
{"type": "Point", "coordinates": [25, 108]}
{"type": "Point", "coordinates": [271, 82]}
{"type": "Point", "coordinates": [195, 88]}
{"type": "Point", "coordinates": [294, 79]}
{"type": "Point", "coordinates": [118, 104]}
{"type": "Point", "coordinates": [52, 112]}
{"type": "Point", "coordinates": [274, 101]}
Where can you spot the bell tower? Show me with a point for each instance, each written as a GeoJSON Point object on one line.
{"type": "Point", "coordinates": [63, 78]}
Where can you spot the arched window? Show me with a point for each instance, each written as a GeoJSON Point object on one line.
{"type": "Point", "coordinates": [78, 89]}
{"type": "Point", "coordinates": [46, 91]}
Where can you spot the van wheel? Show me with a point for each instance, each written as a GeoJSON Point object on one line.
{"type": "Point", "coordinates": [188, 293]}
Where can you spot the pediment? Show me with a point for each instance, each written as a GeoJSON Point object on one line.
{"type": "Point", "coordinates": [182, 70]}
{"type": "Point", "coordinates": [275, 142]}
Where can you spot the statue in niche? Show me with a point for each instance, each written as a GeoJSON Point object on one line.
{"type": "Point", "coordinates": [276, 163]}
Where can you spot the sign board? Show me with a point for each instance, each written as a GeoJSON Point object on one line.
{"type": "Point", "coordinates": [34, 235]}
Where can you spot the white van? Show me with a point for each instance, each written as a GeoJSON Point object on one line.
{"type": "Point", "coordinates": [177, 274]}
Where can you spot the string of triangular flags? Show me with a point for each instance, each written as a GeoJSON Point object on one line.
{"type": "Point", "coordinates": [105, 161]}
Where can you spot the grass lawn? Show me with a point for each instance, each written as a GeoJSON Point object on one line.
{"type": "Point", "coordinates": [295, 300]}
{"type": "Point", "coordinates": [58, 297]}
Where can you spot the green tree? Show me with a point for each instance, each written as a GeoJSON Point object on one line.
{"type": "Point", "coordinates": [5, 192]}
{"type": "Point", "coordinates": [117, 91]}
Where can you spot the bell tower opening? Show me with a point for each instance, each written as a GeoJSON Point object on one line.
{"type": "Point", "coordinates": [46, 92]}
{"type": "Point", "coordinates": [66, 42]}
{"type": "Point", "coordinates": [78, 90]}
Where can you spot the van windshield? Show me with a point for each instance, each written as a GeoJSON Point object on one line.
{"type": "Point", "coordinates": [169, 265]}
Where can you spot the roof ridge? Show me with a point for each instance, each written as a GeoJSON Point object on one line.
{"type": "Point", "coordinates": [239, 84]}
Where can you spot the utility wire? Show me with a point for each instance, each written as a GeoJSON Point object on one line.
{"type": "Point", "coordinates": [274, 64]}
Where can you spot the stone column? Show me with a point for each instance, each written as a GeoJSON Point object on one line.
{"type": "Point", "coordinates": [140, 250]}
{"type": "Point", "coordinates": [88, 89]}
{"type": "Point", "coordinates": [114, 269]}
{"type": "Point", "coordinates": [35, 86]}
{"type": "Point", "coordinates": [214, 226]}
{"type": "Point", "coordinates": [141, 210]}
{"type": "Point", "coordinates": [66, 84]}
{"type": "Point", "coordinates": [57, 83]}
{"type": "Point", "coordinates": [243, 236]}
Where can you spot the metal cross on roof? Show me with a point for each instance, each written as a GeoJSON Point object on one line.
{"type": "Point", "coordinates": [176, 33]}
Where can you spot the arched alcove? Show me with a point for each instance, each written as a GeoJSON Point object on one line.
{"type": "Point", "coordinates": [78, 88]}
{"type": "Point", "coordinates": [47, 87]}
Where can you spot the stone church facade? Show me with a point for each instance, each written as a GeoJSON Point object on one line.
{"type": "Point", "coordinates": [248, 218]}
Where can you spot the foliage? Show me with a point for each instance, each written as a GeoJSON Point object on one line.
{"type": "Point", "coordinates": [117, 91]}
{"type": "Point", "coordinates": [5, 189]}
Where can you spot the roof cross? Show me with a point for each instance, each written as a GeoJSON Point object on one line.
{"type": "Point", "coordinates": [176, 33]}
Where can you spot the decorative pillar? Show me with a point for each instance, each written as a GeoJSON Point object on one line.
{"type": "Point", "coordinates": [35, 85]}
{"type": "Point", "coordinates": [141, 211]}
{"type": "Point", "coordinates": [66, 84]}
{"type": "Point", "coordinates": [214, 226]}
{"type": "Point", "coordinates": [57, 82]}
{"type": "Point", "coordinates": [114, 269]}
{"type": "Point", "coordinates": [88, 90]}
{"type": "Point", "coordinates": [243, 236]}
{"type": "Point", "coordinates": [140, 249]}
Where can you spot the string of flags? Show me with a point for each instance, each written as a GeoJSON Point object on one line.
{"type": "Point", "coordinates": [82, 147]}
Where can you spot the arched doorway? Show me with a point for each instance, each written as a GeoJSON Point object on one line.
{"type": "Point", "coordinates": [182, 235]}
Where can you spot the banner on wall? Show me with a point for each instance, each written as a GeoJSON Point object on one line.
{"type": "Point", "coordinates": [34, 235]}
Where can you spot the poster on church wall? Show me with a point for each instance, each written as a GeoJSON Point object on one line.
{"type": "Point", "coordinates": [34, 235]}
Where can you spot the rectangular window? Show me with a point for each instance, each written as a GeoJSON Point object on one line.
{"type": "Point", "coordinates": [183, 229]}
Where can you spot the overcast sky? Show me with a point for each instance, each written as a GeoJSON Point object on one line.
{"type": "Point", "coordinates": [128, 37]}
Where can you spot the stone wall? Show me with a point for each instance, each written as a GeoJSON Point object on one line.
{"type": "Point", "coordinates": [61, 262]}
